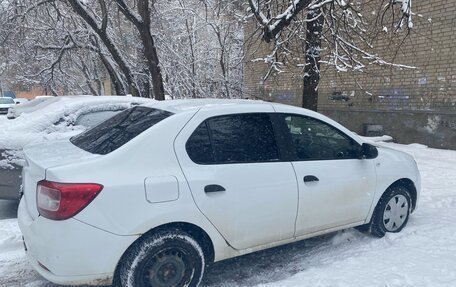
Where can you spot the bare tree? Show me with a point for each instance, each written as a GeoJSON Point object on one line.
{"type": "Point", "coordinates": [334, 27]}
{"type": "Point", "coordinates": [186, 48]}
{"type": "Point", "coordinates": [101, 29]}
{"type": "Point", "coordinates": [142, 22]}
{"type": "Point", "coordinates": [200, 44]}
{"type": "Point", "coordinates": [41, 45]}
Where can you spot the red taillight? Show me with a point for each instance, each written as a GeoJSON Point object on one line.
{"type": "Point", "coordinates": [59, 201]}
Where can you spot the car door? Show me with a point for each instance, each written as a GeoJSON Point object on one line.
{"type": "Point", "coordinates": [233, 168]}
{"type": "Point", "coordinates": [336, 188]}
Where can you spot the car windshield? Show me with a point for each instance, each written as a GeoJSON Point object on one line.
{"type": "Point", "coordinates": [6, 101]}
{"type": "Point", "coordinates": [118, 130]}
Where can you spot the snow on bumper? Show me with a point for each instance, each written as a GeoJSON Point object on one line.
{"type": "Point", "coordinates": [71, 252]}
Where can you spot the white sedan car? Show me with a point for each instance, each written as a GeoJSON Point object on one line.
{"type": "Point", "coordinates": [152, 195]}
{"type": "Point", "coordinates": [31, 106]}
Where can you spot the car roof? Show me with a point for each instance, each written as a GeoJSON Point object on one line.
{"type": "Point", "coordinates": [192, 105]}
{"type": "Point", "coordinates": [179, 106]}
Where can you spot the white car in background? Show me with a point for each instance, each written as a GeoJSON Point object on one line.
{"type": "Point", "coordinates": [33, 105]}
{"type": "Point", "coordinates": [5, 104]}
{"type": "Point", "coordinates": [36, 104]}
{"type": "Point", "coordinates": [152, 195]}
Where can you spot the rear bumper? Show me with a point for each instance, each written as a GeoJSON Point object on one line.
{"type": "Point", "coordinates": [94, 280]}
{"type": "Point", "coordinates": [71, 252]}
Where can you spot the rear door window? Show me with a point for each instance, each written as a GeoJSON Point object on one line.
{"type": "Point", "coordinates": [238, 138]}
{"type": "Point", "coordinates": [199, 146]}
{"type": "Point", "coordinates": [118, 130]}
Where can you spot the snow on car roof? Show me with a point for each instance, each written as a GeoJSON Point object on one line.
{"type": "Point", "coordinates": [54, 120]}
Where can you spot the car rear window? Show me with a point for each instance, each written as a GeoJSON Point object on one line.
{"type": "Point", "coordinates": [118, 130]}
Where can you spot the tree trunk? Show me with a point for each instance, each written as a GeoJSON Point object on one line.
{"type": "Point", "coordinates": [312, 66]}
{"type": "Point", "coordinates": [116, 81]}
{"type": "Point", "coordinates": [108, 42]}
{"type": "Point", "coordinates": [192, 55]}
{"type": "Point", "coordinates": [150, 51]}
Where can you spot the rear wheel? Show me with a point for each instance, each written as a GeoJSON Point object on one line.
{"type": "Point", "coordinates": [169, 258]}
{"type": "Point", "coordinates": [391, 213]}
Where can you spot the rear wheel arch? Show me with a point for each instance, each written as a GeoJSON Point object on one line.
{"type": "Point", "coordinates": [196, 233]}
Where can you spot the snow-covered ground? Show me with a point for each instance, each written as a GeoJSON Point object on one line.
{"type": "Point", "coordinates": [423, 254]}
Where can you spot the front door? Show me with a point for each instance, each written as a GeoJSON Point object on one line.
{"type": "Point", "coordinates": [336, 188]}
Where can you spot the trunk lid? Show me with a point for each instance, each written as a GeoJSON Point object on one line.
{"type": "Point", "coordinates": [38, 158]}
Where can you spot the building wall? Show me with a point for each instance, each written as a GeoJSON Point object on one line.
{"type": "Point", "coordinates": [434, 129]}
{"type": "Point", "coordinates": [30, 94]}
{"type": "Point", "coordinates": [284, 86]}
{"type": "Point", "coordinates": [429, 86]}
{"type": "Point", "coordinates": [407, 102]}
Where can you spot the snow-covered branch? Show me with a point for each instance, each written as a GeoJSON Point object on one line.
{"type": "Point", "coordinates": [347, 42]}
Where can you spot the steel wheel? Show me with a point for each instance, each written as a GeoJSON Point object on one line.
{"type": "Point", "coordinates": [168, 267]}
{"type": "Point", "coordinates": [395, 213]}
{"type": "Point", "coordinates": [167, 258]}
{"type": "Point", "coordinates": [391, 213]}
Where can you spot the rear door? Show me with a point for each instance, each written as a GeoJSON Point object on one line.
{"type": "Point", "coordinates": [238, 181]}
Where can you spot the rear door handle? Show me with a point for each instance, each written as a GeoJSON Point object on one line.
{"type": "Point", "coordinates": [213, 188]}
{"type": "Point", "coordinates": [310, 178]}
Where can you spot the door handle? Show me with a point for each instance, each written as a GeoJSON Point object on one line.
{"type": "Point", "coordinates": [213, 188]}
{"type": "Point", "coordinates": [310, 178]}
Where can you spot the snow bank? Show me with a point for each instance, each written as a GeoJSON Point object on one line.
{"type": "Point", "coordinates": [10, 238]}
{"type": "Point", "coordinates": [12, 255]}
{"type": "Point", "coordinates": [384, 138]}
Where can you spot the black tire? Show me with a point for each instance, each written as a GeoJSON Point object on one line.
{"type": "Point", "coordinates": [396, 196]}
{"type": "Point", "coordinates": [169, 258]}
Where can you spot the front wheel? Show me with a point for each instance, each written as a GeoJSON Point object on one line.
{"type": "Point", "coordinates": [391, 213]}
{"type": "Point", "coordinates": [170, 258]}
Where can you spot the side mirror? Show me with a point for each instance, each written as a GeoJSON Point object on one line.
{"type": "Point", "coordinates": [368, 151]}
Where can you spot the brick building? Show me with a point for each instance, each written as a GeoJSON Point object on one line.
{"type": "Point", "coordinates": [412, 105]}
